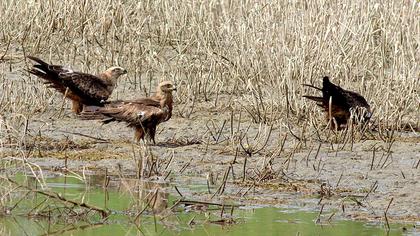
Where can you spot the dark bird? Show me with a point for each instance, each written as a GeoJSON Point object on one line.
{"type": "Point", "coordinates": [343, 104]}
{"type": "Point", "coordinates": [81, 88]}
{"type": "Point", "coordinates": [142, 114]}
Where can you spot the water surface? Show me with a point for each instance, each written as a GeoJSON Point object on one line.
{"type": "Point", "coordinates": [123, 202]}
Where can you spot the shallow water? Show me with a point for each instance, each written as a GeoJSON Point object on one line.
{"type": "Point", "coordinates": [249, 220]}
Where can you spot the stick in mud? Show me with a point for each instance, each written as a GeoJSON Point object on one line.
{"type": "Point", "coordinates": [373, 158]}
{"type": "Point", "coordinates": [307, 156]}
{"type": "Point", "coordinates": [183, 168]}
{"type": "Point", "coordinates": [54, 195]}
{"type": "Point", "coordinates": [147, 205]}
{"type": "Point", "coordinates": [385, 214]}
{"type": "Point", "coordinates": [417, 165]}
{"type": "Point", "coordinates": [222, 186]}
{"type": "Point", "coordinates": [192, 202]}
{"type": "Point", "coordinates": [339, 180]}
{"type": "Point", "coordinates": [374, 186]}
{"type": "Point", "coordinates": [177, 190]}
{"type": "Point", "coordinates": [318, 220]}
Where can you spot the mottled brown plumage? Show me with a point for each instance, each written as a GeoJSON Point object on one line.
{"type": "Point", "coordinates": [343, 103]}
{"type": "Point", "coordinates": [142, 114]}
{"type": "Point", "coordinates": [162, 98]}
{"type": "Point", "coordinates": [81, 88]}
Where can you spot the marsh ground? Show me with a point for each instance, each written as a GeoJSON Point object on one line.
{"type": "Point", "coordinates": [356, 180]}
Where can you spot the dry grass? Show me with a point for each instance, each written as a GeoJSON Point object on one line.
{"type": "Point", "coordinates": [252, 51]}
{"type": "Point", "coordinates": [240, 61]}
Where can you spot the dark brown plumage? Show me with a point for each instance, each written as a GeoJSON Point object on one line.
{"type": "Point", "coordinates": [343, 103]}
{"type": "Point", "coordinates": [143, 118]}
{"type": "Point", "coordinates": [82, 88]}
{"type": "Point", "coordinates": [142, 114]}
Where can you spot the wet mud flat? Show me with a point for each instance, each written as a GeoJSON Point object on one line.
{"type": "Point", "coordinates": [355, 180]}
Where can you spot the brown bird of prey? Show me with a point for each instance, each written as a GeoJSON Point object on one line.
{"type": "Point", "coordinates": [342, 104]}
{"type": "Point", "coordinates": [80, 88]}
{"type": "Point", "coordinates": [142, 114]}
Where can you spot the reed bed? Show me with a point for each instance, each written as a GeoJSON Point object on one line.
{"type": "Point", "coordinates": [258, 52]}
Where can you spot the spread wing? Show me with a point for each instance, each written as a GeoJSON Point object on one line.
{"type": "Point", "coordinates": [87, 88]}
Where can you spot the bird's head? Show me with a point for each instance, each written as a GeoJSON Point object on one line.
{"type": "Point", "coordinates": [326, 83]}
{"type": "Point", "coordinates": [166, 87]}
{"type": "Point", "coordinates": [115, 72]}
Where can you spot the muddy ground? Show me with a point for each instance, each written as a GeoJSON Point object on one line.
{"type": "Point", "coordinates": [350, 181]}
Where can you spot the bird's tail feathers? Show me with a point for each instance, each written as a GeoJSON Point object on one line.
{"type": "Point", "coordinates": [36, 59]}
{"type": "Point", "coordinates": [314, 98]}
{"type": "Point", "coordinates": [42, 69]}
{"type": "Point", "coordinates": [36, 72]}
{"type": "Point", "coordinates": [311, 86]}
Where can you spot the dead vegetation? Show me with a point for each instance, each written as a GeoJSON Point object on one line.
{"type": "Point", "coordinates": [239, 67]}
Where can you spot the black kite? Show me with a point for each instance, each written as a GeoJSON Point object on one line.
{"type": "Point", "coordinates": [142, 114]}
{"type": "Point", "coordinates": [81, 88]}
{"type": "Point", "coordinates": [342, 103]}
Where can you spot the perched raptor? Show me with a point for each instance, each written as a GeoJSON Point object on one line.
{"type": "Point", "coordinates": [342, 103]}
{"type": "Point", "coordinates": [142, 114]}
{"type": "Point", "coordinates": [81, 88]}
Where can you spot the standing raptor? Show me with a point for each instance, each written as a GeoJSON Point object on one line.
{"type": "Point", "coordinates": [80, 88]}
{"type": "Point", "coordinates": [143, 114]}
{"type": "Point", "coordinates": [342, 104]}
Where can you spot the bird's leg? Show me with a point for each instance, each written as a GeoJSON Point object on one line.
{"type": "Point", "coordinates": [76, 107]}
{"type": "Point", "coordinates": [150, 139]}
{"type": "Point", "coordinates": [138, 134]}
{"type": "Point", "coordinates": [149, 135]}
{"type": "Point", "coordinates": [152, 133]}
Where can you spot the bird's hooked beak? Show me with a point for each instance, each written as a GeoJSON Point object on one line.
{"type": "Point", "coordinates": [124, 72]}
{"type": "Point", "coordinates": [173, 88]}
